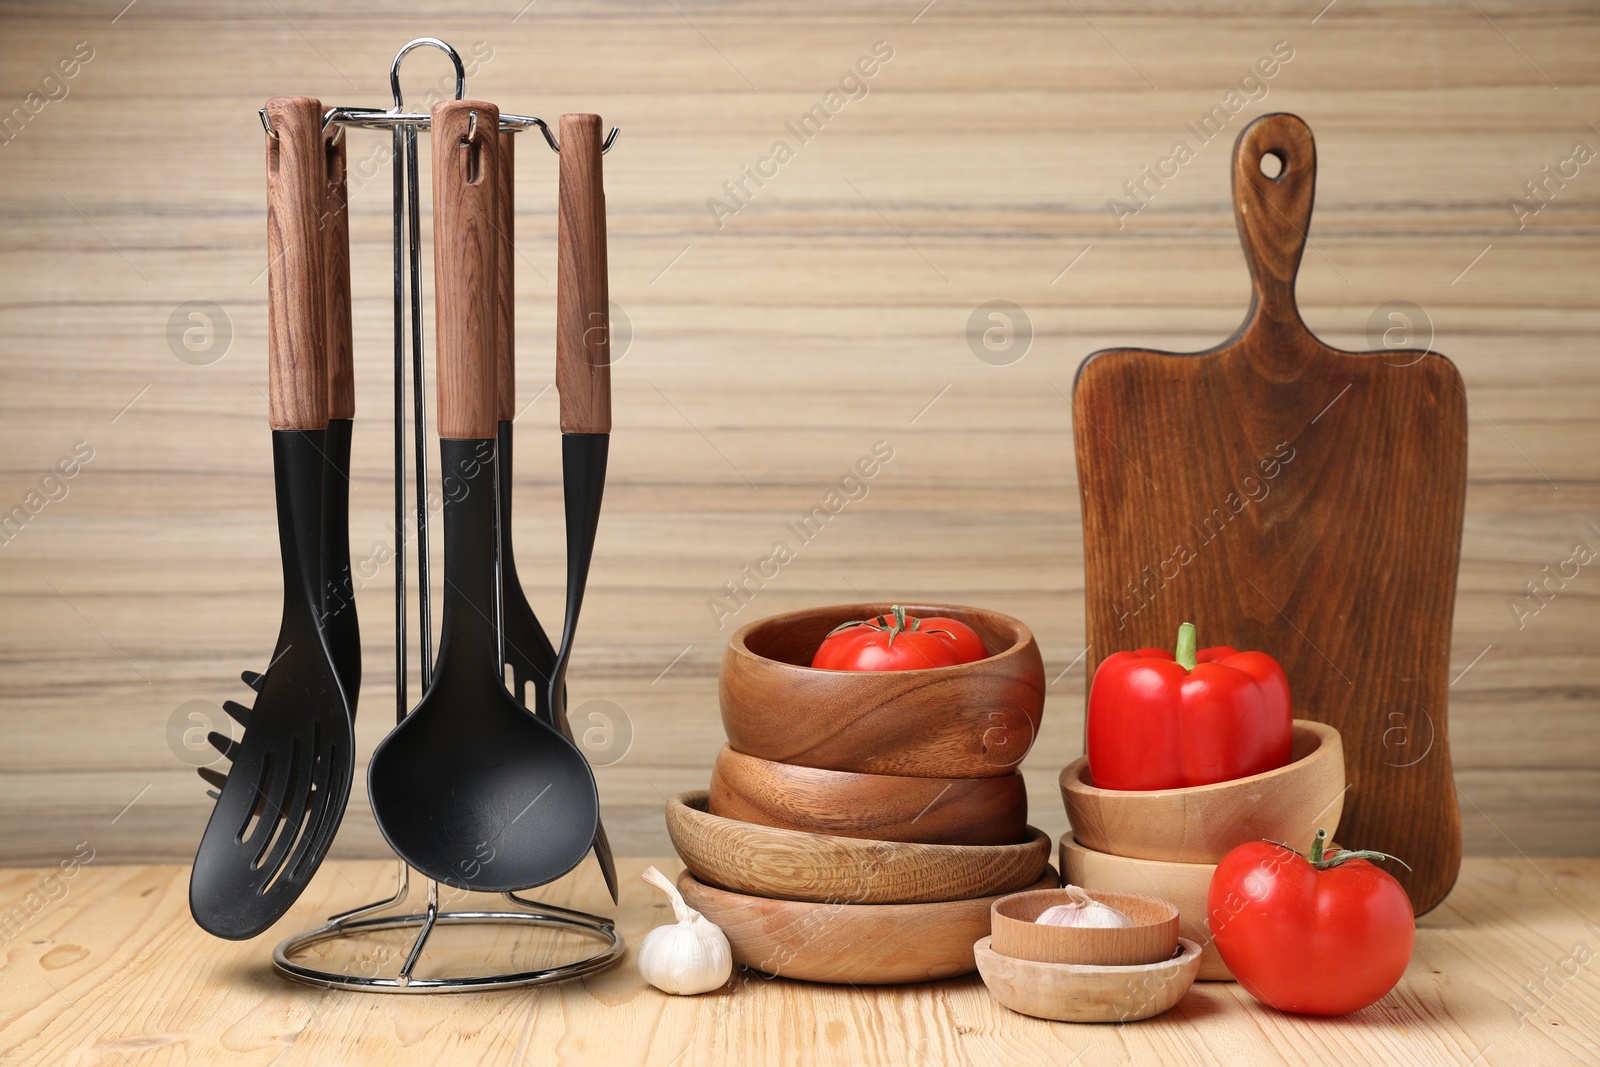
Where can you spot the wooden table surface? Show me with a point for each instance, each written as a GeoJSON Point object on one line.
{"type": "Point", "coordinates": [111, 970]}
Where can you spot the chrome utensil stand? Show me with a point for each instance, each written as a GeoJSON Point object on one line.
{"type": "Point", "coordinates": [369, 918]}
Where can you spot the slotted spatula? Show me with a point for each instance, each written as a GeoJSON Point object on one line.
{"type": "Point", "coordinates": [526, 646]}
{"type": "Point", "coordinates": [1290, 497]}
{"type": "Point", "coordinates": [283, 798]}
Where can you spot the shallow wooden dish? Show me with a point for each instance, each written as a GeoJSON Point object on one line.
{"type": "Point", "coordinates": [792, 865]}
{"type": "Point", "coordinates": [1200, 824]}
{"type": "Point", "coordinates": [1152, 939]}
{"type": "Point", "coordinates": [1184, 884]}
{"type": "Point", "coordinates": [882, 807]}
{"type": "Point", "coordinates": [859, 944]}
{"type": "Point", "coordinates": [972, 720]}
{"type": "Point", "coordinates": [1076, 993]}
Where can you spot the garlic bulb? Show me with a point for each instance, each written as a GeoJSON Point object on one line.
{"type": "Point", "coordinates": [1084, 912]}
{"type": "Point", "coordinates": [689, 956]}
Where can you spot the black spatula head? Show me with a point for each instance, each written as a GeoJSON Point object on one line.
{"type": "Point", "coordinates": [286, 792]}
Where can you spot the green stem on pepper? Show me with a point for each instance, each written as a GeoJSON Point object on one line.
{"type": "Point", "coordinates": [1188, 646]}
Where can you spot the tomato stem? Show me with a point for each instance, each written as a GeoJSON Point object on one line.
{"type": "Point", "coordinates": [1187, 646]}
{"type": "Point", "coordinates": [1322, 861]}
{"type": "Point", "coordinates": [898, 623]}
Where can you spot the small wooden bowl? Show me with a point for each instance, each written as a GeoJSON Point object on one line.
{"type": "Point", "coordinates": [1152, 939]}
{"type": "Point", "coordinates": [1076, 993]}
{"type": "Point", "coordinates": [1200, 824]}
{"type": "Point", "coordinates": [972, 720]}
{"type": "Point", "coordinates": [882, 807]}
{"type": "Point", "coordinates": [1184, 884]}
{"type": "Point", "coordinates": [791, 865]}
{"type": "Point", "coordinates": [859, 944]}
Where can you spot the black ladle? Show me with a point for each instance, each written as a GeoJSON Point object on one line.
{"type": "Point", "coordinates": [470, 788]}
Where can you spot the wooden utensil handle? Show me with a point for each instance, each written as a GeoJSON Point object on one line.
{"type": "Point", "coordinates": [465, 180]}
{"type": "Point", "coordinates": [297, 386]}
{"type": "Point", "coordinates": [583, 317]}
{"type": "Point", "coordinates": [1274, 213]}
{"type": "Point", "coordinates": [335, 223]}
{"type": "Point", "coordinates": [505, 290]}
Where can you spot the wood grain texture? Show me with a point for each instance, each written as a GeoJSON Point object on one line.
{"type": "Point", "coordinates": [505, 280]}
{"type": "Point", "coordinates": [335, 225]}
{"type": "Point", "coordinates": [857, 944]}
{"type": "Point", "coordinates": [466, 178]}
{"type": "Point", "coordinates": [765, 861]}
{"type": "Point", "coordinates": [1201, 824]}
{"type": "Point", "coordinates": [964, 721]}
{"type": "Point", "coordinates": [297, 338]}
{"type": "Point", "coordinates": [1152, 938]}
{"type": "Point", "coordinates": [1078, 993]}
{"type": "Point", "coordinates": [1287, 496]}
{"type": "Point", "coordinates": [879, 807]}
{"type": "Point", "coordinates": [118, 970]}
{"type": "Point", "coordinates": [1184, 884]}
{"type": "Point", "coordinates": [776, 348]}
{"type": "Point", "coordinates": [583, 301]}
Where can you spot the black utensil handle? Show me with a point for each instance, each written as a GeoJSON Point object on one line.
{"type": "Point", "coordinates": [468, 630]}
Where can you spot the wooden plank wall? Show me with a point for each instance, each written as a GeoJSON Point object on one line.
{"type": "Point", "coordinates": [774, 341]}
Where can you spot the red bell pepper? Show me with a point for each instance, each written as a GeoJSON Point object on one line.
{"type": "Point", "coordinates": [1159, 721]}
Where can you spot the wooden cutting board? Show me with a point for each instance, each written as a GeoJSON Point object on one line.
{"type": "Point", "coordinates": [1289, 497]}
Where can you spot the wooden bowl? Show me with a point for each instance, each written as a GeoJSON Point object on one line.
{"type": "Point", "coordinates": [791, 865]}
{"type": "Point", "coordinates": [972, 720]}
{"type": "Point", "coordinates": [1184, 884]}
{"type": "Point", "coordinates": [860, 944]}
{"type": "Point", "coordinates": [1200, 824]}
{"type": "Point", "coordinates": [1152, 939]}
{"type": "Point", "coordinates": [1076, 993]}
{"type": "Point", "coordinates": [883, 807]}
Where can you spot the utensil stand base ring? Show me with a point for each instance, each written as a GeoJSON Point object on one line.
{"type": "Point", "coordinates": [545, 915]}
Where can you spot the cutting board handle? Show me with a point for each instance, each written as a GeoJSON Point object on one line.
{"type": "Point", "coordinates": [466, 180]}
{"type": "Point", "coordinates": [1274, 215]}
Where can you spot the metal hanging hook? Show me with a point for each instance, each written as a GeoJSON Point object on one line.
{"type": "Point", "coordinates": [266, 124]}
{"type": "Point", "coordinates": [434, 42]}
{"type": "Point", "coordinates": [523, 122]}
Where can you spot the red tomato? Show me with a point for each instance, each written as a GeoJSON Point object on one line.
{"type": "Point", "coordinates": [1325, 936]}
{"type": "Point", "coordinates": [899, 642]}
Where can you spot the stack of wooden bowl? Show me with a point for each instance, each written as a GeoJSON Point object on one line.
{"type": "Point", "coordinates": [1087, 974]}
{"type": "Point", "coordinates": [860, 824]}
{"type": "Point", "coordinates": [1167, 842]}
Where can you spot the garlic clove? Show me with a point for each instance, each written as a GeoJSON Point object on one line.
{"type": "Point", "coordinates": [1084, 912]}
{"type": "Point", "coordinates": [688, 956]}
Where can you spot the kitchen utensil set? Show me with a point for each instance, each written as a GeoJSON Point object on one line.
{"type": "Point", "coordinates": [484, 789]}
{"type": "Point", "coordinates": [476, 787]}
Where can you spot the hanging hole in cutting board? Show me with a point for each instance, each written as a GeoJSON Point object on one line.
{"type": "Point", "coordinates": [1273, 165]}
